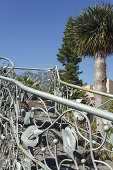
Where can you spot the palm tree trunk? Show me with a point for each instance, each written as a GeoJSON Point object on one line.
{"type": "Point", "coordinates": [100, 84]}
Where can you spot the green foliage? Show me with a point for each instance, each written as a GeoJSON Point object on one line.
{"type": "Point", "coordinates": [109, 105]}
{"type": "Point", "coordinates": [26, 80]}
{"type": "Point", "coordinates": [79, 94]}
{"type": "Point", "coordinates": [70, 60]}
{"type": "Point", "coordinates": [93, 30]}
{"type": "Point", "coordinates": [94, 126]}
{"type": "Point", "coordinates": [68, 57]}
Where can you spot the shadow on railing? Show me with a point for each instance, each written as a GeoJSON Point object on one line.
{"type": "Point", "coordinates": [44, 127]}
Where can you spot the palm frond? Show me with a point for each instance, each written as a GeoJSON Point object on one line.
{"type": "Point", "coordinates": [93, 30]}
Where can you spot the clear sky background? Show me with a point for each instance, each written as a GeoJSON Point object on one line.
{"type": "Point", "coordinates": [31, 32]}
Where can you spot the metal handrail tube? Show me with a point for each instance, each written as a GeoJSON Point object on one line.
{"type": "Point", "coordinates": [38, 69]}
{"type": "Point", "coordinates": [81, 88]}
{"type": "Point", "coordinates": [67, 102]}
{"type": "Point", "coordinates": [87, 90]}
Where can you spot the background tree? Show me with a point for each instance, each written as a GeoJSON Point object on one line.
{"type": "Point", "coordinates": [68, 57]}
{"type": "Point", "coordinates": [93, 34]}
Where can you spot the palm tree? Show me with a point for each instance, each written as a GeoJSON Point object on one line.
{"type": "Point", "coordinates": [94, 38]}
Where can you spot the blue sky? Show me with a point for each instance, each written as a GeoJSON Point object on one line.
{"type": "Point", "coordinates": [31, 32]}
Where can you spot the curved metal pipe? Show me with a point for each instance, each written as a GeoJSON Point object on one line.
{"type": "Point", "coordinates": [67, 102]}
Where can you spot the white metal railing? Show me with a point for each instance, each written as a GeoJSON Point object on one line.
{"type": "Point", "coordinates": [45, 132]}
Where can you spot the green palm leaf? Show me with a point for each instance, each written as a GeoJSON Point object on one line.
{"type": "Point", "coordinates": [93, 30]}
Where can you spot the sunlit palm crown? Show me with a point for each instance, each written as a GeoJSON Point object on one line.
{"type": "Point", "coordinates": [94, 30]}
